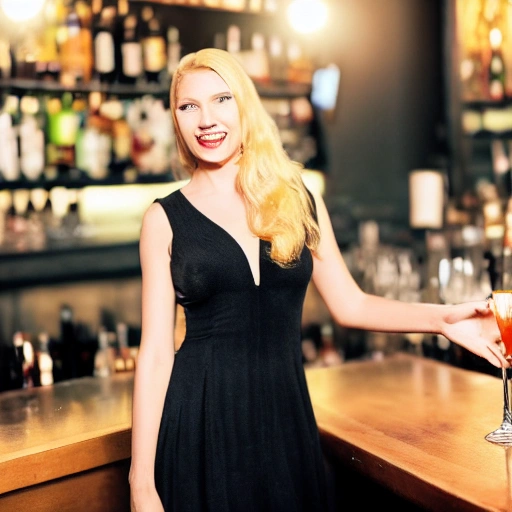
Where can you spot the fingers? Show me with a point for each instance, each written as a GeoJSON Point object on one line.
{"type": "Point", "coordinates": [483, 307]}
{"type": "Point", "coordinates": [496, 357]}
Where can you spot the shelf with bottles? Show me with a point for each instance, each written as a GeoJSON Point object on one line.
{"type": "Point", "coordinates": [487, 120]}
{"type": "Point", "coordinates": [130, 49]}
{"type": "Point", "coordinates": [75, 178]}
{"type": "Point", "coordinates": [258, 7]}
{"type": "Point", "coordinates": [20, 87]}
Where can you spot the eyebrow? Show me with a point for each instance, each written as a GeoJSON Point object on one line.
{"type": "Point", "coordinates": [217, 95]}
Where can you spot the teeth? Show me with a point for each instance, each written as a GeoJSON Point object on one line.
{"type": "Point", "coordinates": [212, 136]}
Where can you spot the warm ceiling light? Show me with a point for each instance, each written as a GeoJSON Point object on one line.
{"type": "Point", "coordinates": [22, 10]}
{"type": "Point", "coordinates": [307, 16]}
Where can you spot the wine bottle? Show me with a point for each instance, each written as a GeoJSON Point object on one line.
{"type": "Point", "coordinates": [31, 135]}
{"type": "Point", "coordinates": [154, 51]}
{"type": "Point", "coordinates": [75, 46]}
{"type": "Point", "coordinates": [16, 367]}
{"type": "Point", "coordinates": [122, 12]}
{"type": "Point", "coordinates": [103, 359]}
{"type": "Point", "coordinates": [104, 46]}
{"type": "Point", "coordinates": [173, 49]}
{"type": "Point", "coordinates": [48, 62]}
{"type": "Point", "coordinates": [131, 51]}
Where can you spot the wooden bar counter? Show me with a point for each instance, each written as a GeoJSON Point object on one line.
{"type": "Point", "coordinates": [66, 448]}
{"type": "Point", "coordinates": [416, 427]}
{"type": "Point", "coordinates": [407, 425]}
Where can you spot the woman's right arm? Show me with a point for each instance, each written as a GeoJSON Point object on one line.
{"type": "Point", "coordinates": [155, 358]}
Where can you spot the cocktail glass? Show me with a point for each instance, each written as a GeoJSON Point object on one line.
{"type": "Point", "coordinates": [502, 307]}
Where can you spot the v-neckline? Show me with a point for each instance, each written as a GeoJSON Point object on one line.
{"type": "Point", "coordinates": [237, 243]}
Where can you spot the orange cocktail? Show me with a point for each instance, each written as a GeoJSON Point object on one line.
{"type": "Point", "coordinates": [503, 312]}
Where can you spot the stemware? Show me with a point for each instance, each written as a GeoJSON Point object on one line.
{"type": "Point", "coordinates": [502, 307]}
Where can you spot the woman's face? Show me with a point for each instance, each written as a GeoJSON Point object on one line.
{"type": "Point", "coordinates": [208, 118]}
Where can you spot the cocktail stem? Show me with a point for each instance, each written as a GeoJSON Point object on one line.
{"type": "Point", "coordinates": [507, 416]}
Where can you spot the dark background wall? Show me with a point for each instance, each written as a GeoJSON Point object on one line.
{"type": "Point", "coordinates": [390, 113]}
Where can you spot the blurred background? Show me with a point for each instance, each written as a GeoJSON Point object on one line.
{"type": "Point", "coordinates": [398, 110]}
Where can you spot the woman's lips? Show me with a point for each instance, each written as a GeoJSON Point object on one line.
{"type": "Point", "coordinates": [211, 140]}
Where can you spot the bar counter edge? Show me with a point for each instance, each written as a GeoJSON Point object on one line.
{"type": "Point", "coordinates": [408, 428]}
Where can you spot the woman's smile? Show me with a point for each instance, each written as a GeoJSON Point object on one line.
{"type": "Point", "coordinates": [211, 140]}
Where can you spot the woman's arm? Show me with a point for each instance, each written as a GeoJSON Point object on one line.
{"type": "Point", "coordinates": [471, 325]}
{"type": "Point", "coordinates": [155, 358]}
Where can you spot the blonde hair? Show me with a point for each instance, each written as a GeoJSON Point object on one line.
{"type": "Point", "coordinates": [279, 207]}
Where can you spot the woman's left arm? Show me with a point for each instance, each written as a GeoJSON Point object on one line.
{"type": "Point", "coordinates": [471, 325]}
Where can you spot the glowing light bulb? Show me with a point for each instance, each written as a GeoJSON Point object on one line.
{"type": "Point", "coordinates": [307, 16]}
{"type": "Point", "coordinates": [22, 10]}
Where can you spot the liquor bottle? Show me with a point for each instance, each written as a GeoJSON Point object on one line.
{"type": "Point", "coordinates": [173, 49]}
{"type": "Point", "coordinates": [68, 341]}
{"type": "Point", "coordinates": [9, 162]}
{"type": "Point", "coordinates": [31, 136]}
{"type": "Point", "coordinates": [147, 13]}
{"type": "Point", "coordinates": [234, 38]}
{"type": "Point", "coordinates": [121, 13]}
{"type": "Point", "coordinates": [75, 45]}
{"type": "Point", "coordinates": [44, 359]}
{"type": "Point", "coordinates": [30, 368]}
{"type": "Point", "coordinates": [103, 360]}
{"type": "Point", "coordinates": [131, 51]}
{"type": "Point", "coordinates": [85, 16]}
{"type": "Point", "coordinates": [63, 124]}
{"type": "Point", "coordinates": [154, 52]}
{"type": "Point", "coordinates": [48, 62]}
{"type": "Point", "coordinates": [16, 367]}
{"type": "Point", "coordinates": [496, 67]}
{"type": "Point", "coordinates": [104, 46]}
{"type": "Point", "coordinates": [122, 143]}
{"type": "Point", "coordinates": [124, 350]}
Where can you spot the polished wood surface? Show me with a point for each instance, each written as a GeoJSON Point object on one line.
{"type": "Point", "coordinates": [61, 430]}
{"type": "Point", "coordinates": [417, 427]}
{"type": "Point", "coordinates": [413, 425]}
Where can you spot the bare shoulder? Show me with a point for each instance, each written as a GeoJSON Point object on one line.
{"type": "Point", "coordinates": [156, 230]}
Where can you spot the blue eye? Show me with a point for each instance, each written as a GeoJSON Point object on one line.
{"type": "Point", "coordinates": [222, 99]}
{"type": "Point", "coordinates": [187, 106]}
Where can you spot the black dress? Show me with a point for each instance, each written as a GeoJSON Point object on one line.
{"type": "Point", "coordinates": [238, 432]}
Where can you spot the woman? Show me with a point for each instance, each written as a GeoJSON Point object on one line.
{"type": "Point", "coordinates": [226, 423]}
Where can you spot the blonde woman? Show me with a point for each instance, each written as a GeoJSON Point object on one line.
{"type": "Point", "coordinates": [226, 423]}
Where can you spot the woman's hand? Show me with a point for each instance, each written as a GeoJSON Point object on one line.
{"type": "Point", "coordinates": [472, 325]}
{"type": "Point", "coordinates": [145, 500]}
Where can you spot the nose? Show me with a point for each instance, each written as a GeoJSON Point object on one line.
{"type": "Point", "coordinates": [206, 120]}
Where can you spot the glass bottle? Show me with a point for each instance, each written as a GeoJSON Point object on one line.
{"type": "Point", "coordinates": [173, 49]}
{"type": "Point", "coordinates": [45, 360]}
{"type": "Point", "coordinates": [104, 46]}
{"type": "Point", "coordinates": [154, 52]}
{"type": "Point", "coordinates": [32, 143]}
{"type": "Point", "coordinates": [131, 51]}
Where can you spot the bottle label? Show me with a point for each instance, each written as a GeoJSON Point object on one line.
{"type": "Point", "coordinates": [132, 59]}
{"type": "Point", "coordinates": [154, 54]}
{"type": "Point", "coordinates": [104, 58]}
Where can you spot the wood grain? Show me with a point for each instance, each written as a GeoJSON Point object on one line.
{"type": "Point", "coordinates": [417, 427]}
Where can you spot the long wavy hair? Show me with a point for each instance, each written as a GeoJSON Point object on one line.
{"type": "Point", "coordinates": [279, 207]}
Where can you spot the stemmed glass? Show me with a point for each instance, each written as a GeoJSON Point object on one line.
{"type": "Point", "coordinates": [502, 307]}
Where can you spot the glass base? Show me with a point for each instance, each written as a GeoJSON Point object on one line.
{"type": "Point", "coordinates": [501, 436]}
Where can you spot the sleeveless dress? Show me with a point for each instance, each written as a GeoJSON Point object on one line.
{"type": "Point", "coordinates": [237, 433]}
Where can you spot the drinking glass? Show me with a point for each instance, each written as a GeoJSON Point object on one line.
{"type": "Point", "coordinates": [502, 307]}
